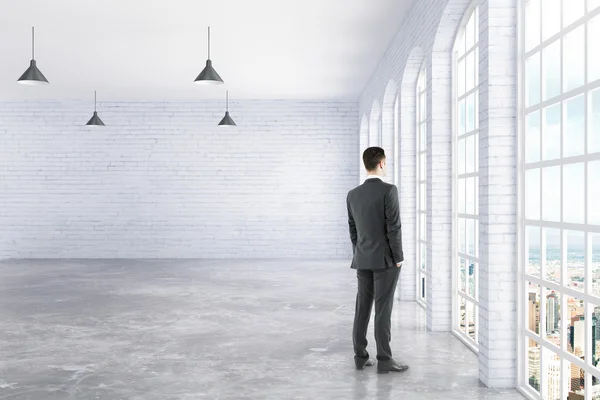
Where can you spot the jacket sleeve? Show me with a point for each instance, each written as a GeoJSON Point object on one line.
{"type": "Point", "coordinates": [392, 219]}
{"type": "Point", "coordinates": [352, 225]}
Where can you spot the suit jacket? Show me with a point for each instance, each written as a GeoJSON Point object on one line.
{"type": "Point", "coordinates": [374, 221]}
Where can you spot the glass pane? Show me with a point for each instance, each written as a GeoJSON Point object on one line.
{"type": "Point", "coordinates": [460, 76]}
{"type": "Point", "coordinates": [423, 257]}
{"type": "Point", "coordinates": [470, 71]}
{"type": "Point", "coordinates": [533, 144]}
{"type": "Point", "coordinates": [553, 316]}
{"type": "Point", "coordinates": [533, 368]}
{"type": "Point", "coordinates": [462, 235]}
{"type": "Point", "coordinates": [593, 4]}
{"type": "Point", "coordinates": [470, 237]}
{"type": "Point", "coordinates": [592, 48]}
{"type": "Point", "coordinates": [424, 135]}
{"type": "Point", "coordinates": [573, 53]}
{"type": "Point", "coordinates": [533, 309]}
{"type": "Point", "coordinates": [422, 170]}
{"type": "Point", "coordinates": [551, 369]}
{"type": "Point", "coordinates": [574, 131]}
{"type": "Point", "coordinates": [471, 112]}
{"type": "Point", "coordinates": [470, 33]}
{"type": "Point", "coordinates": [575, 380]}
{"type": "Point", "coordinates": [532, 79]}
{"type": "Point", "coordinates": [575, 326]}
{"type": "Point", "coordinates": [595, 385]}
{"type": "Point", "coordinates": [594, 262]}
{"type": "Point", "coordinates": [463, 274]}
{"type": "Point", "coordinates": [551, 194]}
{"type": "Point", "coordinates": [470, 154]}
{"type": "Point", "coordinates": [532, 194]}
{"type": "Point", "coordinates": [477, 196]}
{"type": "Point", "coordinates": [574, 242]}
{"type": "Point", "coordinates": [593, 192]}
{"type": "Point", "coordinates": [423, 283]}
{"type": "Point", "coordinates": [461, 156]}
{"type": "Point", "coordinates": [553, 254]}
{"type": "Point", "coordinates": [532, 24]}
{"type": "Point", "coordinates": [461, 117]}
{"type": "Point", "coordinates": [461, 196]}
{"type": "Point", "coordinates": [551, 133]}
{"type": "Point", "coordinates": [422, 197]}
{"type": "Point", "coordinates": [472, 271]}
{"type": "Point", "coordinates": [574, 193]}
{"type": "Point", "coordinates": [423, 228]}
{"type": "Point", "coordinates": [476, 223]}
{"type": "Point", "coordinates": [532, 250]}
{"type": "Point", "coordinates": [594, 121]}
{"type": "Point", "coordinates": [471, 315]}
{"type": "Point", "coordinates": [551, 67]}
{"type": "Point", "coordinates": [470, 184]}
{"type": "Point", "coordinates": [550, 18]}
{"type": "Point", "coordinates": [422, 114]}
{"type": "Point", "coordinates": [462, 314]}
{"type": "Point", "coordinates": [475, 108]}
{"type": "Point", "coordinates": [476, 67]}
{"type": "Point", "coordinates": [476, 144]}
{"type": "Point", "coordinates": [572, 11]}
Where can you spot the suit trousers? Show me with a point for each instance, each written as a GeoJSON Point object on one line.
{"type": "Point", "coordinates": [376, 286]}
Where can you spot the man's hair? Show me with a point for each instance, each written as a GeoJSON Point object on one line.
{"type": "Point", "coordinates": [372, 157]}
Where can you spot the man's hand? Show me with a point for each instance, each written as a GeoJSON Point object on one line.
{"type": "Point", "coordinates": [399, 265]}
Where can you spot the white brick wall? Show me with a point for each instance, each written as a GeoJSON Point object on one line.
{"type": "Point", "coordinates": [427, 35]}
{"type": "Point", "coordinates": [498, 194]}
{"type": "Point", "coordinates": [162, 181]}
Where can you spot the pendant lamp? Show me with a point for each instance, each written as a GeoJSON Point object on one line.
{"type": "Point", "coordinates": [33, 76]}
{"type": "Point", "coordinates": [95, 120]}
{"type": "Point", "coordinates": [227, 121]}
{"type": "Point", "coordinates": [208, 76]}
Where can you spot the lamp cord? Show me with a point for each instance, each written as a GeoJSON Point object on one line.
{"type": "Point", "coordinates": [209, 42]}
{"type": "Point", "coordinates": [33, 43]}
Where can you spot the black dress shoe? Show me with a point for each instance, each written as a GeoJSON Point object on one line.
{"type": "Point", "coordinates": [361, 363]}
{"type": "Point", "coordinates": [383, 367]}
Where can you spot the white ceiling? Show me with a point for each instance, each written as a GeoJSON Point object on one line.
{"type": "Point", "coordinates": [154, 49]}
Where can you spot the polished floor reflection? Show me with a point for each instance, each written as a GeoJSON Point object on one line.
{"type": "Point", "coordinates": [209, 329]}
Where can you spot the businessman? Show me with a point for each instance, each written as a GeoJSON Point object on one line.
{"type": "Point", "coordinates": [374, 220]}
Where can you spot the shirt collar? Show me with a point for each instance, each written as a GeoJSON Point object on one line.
{"type": "Point", "coordinates": [373, 176]}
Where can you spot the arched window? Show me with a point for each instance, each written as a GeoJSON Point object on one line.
{"type": "Point", "coordinates": [363, 144]}
{"type": "Point", "coordinates": [375, 125]}
{"type": "Point", "coordinates": [421, 119]}
{"type": "Point", "coordinates": [380, 130]}
{"type": "Point", "coordinates": [396, 138]}
{"type": "Point", "coordinates": [466, 178]}
{"type": "Point", "coordinates": [560, 230]}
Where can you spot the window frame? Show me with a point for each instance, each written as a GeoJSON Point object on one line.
{"type": "Point", "coordinates": [524, 279]}
{"type": "Point", "coordinates": [457, 295]}
{"type": "Point", "coordinates": [421, 274]}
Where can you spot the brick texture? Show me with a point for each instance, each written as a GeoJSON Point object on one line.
{"type": "Point", "coordinates": [498, 194]}
{"type": "Point", "coordinates": [160, 180]}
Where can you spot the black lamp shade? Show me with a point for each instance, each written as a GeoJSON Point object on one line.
{"type": "Point", "coordinates": [95, 120]}
{"type": "Point", "coordinates": [209, 76]}
{"type": "Point", "coordinates": [227, 121]}
{"type": "Point", "coordinates": [33, 76]}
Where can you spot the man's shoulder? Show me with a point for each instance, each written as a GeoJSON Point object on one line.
{"type": "Point", "coordinates": [363, 186]}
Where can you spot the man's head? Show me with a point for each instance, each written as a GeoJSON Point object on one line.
{"type": "Point", "coordinates": [374, 160]}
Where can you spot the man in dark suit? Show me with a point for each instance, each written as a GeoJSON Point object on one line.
{"type": "Point", "coordinates": [374, 220]}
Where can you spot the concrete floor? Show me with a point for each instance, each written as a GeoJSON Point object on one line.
{"type": "Point", "coordinates": [209, 329]}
